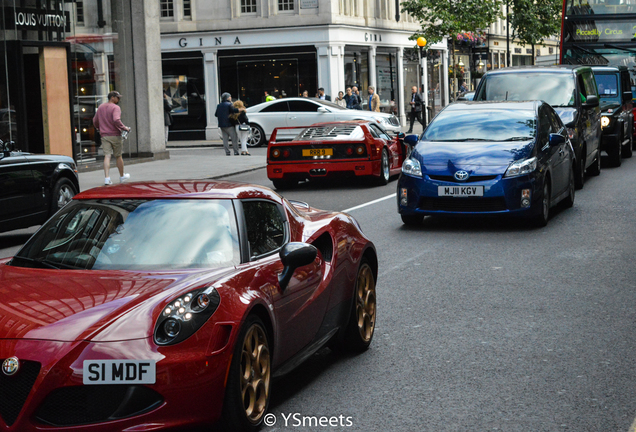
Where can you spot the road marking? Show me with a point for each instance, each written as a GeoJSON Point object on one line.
{"type": "Point", "coordinates": [633, 428]}
{"type": "Point", "coordinates": [369, 203]}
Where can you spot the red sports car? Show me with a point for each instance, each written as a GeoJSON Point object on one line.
{"type": "Point", "coordinates": [151, 306]}
{"type": "Point", "coordinates": [355, 148]}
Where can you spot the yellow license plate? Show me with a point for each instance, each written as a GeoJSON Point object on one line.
{"type": "Point", "coordinates": [318, 152]}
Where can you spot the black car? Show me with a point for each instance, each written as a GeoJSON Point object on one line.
{"type": "Point", "coordinates": [33, 186]}
{"type": "Point", "coordinates": [617, 118]}
{"type": "Point", "coordinates": [570, 89]}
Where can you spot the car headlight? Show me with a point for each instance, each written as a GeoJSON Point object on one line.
{"type": "Point", "coordinates": [182, 317]}
{"type": "Point", "coordinates": [521, 167]}
{"type": "Point", "coordinates": [605, 121]}
{"type": "Point", "coordinates": [412, 167]}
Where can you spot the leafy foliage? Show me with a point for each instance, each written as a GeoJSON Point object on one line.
{"type": "Point", "coordinates": [531, 21]}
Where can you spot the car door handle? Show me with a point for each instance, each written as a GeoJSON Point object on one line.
{"type": "Point", "coordinates": [292, 118]}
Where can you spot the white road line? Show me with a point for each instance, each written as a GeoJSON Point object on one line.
{"type": "Point", "coordinates": [369, 203]}
{"type": "Point", "coordinates": [633, 427]}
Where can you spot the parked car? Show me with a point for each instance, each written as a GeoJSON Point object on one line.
{"type": "Point", "coordinates": [299, 112]}
{"type": "Point", "coordinates": [33, 186]}
{"type": "Point", "coordinates": [499, 158]}
{"type": "Point", "coordinates": [466, 96]}
{"type": "Point", "coordinates": [354, 148]}
{"type": "Point", "coordinates": [572, 92]}
{"type": "Point", "coordinates": [617, 117]}
{"type": "Point", "coordinates": [175, 304]}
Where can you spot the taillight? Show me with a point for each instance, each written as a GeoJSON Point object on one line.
{"type": "Point", "coordinates": [275, 153]}
{"type": "Point", "coordinates": [360, 150]}
{"type": "Point", "coordinates": [349, 151]}
{"type": "Point", "coordinates": [286, 153]}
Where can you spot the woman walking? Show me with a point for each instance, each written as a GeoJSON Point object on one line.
{"type": "Point", "coordinates": [242, 126]}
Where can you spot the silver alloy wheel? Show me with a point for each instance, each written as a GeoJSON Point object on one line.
{"type": "Point", "coordinates": [64, 196]}
{"type": "Point", "coordinates": [255, 136]}
{"type": "Point", "coordinates": [385, 165]}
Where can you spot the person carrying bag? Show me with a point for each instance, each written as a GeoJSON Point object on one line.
{"type": "Point", "coordinates": [242, 126]}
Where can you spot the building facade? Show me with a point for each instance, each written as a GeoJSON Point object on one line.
{"type": "Point", "coordinates": [284, 47]}
{"type": "Point", "coordinates": [58, 61]}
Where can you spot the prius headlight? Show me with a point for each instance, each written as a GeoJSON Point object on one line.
{"type": "Point", "coordinates": [523, 167]}
{"type": "Point", "coordinates": [183, 316]}
{"type": "Point", "coordinates": [412, 167]}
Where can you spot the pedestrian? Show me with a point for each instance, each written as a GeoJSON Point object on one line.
{"type": "Point", "coordinates": [357, 101]}
{"type": "Point", "coordinates": [416, 108]}
{"type": "Point", "coordinates": [374, 100]}
{"type": "Point", "coordinates": [463, 88]}
{"type": "Point", "coordinates": [340, 100]}
{"type": "Point", "coordinates": [349, 98]}
{"type": "Point", "coordinates": [268, 97]}
{"type": "Point", "coordinates": [107, 121]}
{"type": "Point", "coordinates": [167, 117]}
{"type": "Point", "coordinates": [305, 94]}
{"type": "Point", "coordinates": [242, 126]}
{"type": "Point", "coordinates": [223, 111]}
{"type": "Point", "coordinates": [322, 95]}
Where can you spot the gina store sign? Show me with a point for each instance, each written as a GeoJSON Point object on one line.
{"type": "Point", "coordinates": [36, 19]}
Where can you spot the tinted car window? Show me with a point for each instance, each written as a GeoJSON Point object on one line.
{"type": "Point", "coordinates": [482, 125]}
{"type": "Point", "coordinates": [545, 125]}
{"type": "Point", "coordinates": [265, 227]}
{"type": "Point", "coordinates": [557, 89]}
{"type": "Point", "coordinates": [590, 83]}
{"type": "Point", "coordinates": [277, 107]}
{"type": "Point", "coordinates": [607, 86]}
{"type": "Point", "coordinates": [302, 106]}
{"type": "Point", "coordinates": [136, 234]}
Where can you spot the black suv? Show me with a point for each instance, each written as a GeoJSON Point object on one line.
{"type": "Point", "coordinates": [572, 92]}
{"type": "Point", "coordinates": [617, 118]}
{"type": "Point", "coordinates": [33, 186]}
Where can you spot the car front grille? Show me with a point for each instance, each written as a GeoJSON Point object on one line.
{"type": "Point", "coordinates": [471, 179]}
{"type": "Point", "coordinates": [451, 204]}
{"type": "Point", "coordinates": [15, 389]}
{"type": "Point", "coordinates": [78, 405]}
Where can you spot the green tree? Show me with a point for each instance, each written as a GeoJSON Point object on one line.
{"type": "Point", "coordinates": [536, 20]}
{"type": "Point", "coordinates": [440, 18]}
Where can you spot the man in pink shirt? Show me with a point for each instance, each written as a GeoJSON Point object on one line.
{"type": "Point", "coordinates": [108, 121]}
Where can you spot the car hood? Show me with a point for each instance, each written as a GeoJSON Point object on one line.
{"type": "Point", "coordinates": [498, 155]}
{"type": "Point", "coordinates": [568, 115]}
{"type": "Point", "coordinates": [72, 305]}
{"type": "Point", "coordinates": [605, 105]}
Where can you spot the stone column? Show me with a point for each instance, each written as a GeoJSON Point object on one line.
{"type": "Point", "coordinates": [446, 97]}
{"type": "Point", "coordinates": [372, 70]}
{"type": "Point", "coordinates": [400, 86]}
{"type": "Point", "coordinates": [212, 95]}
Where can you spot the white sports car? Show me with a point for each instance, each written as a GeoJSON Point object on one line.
{"type": "Point", "coordinates": [299, 112]}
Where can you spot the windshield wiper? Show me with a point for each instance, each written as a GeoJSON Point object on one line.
{"type": "Point", "coordinates": [471, 139]}
{"type": "Point", "coordinates": [42, 263]}
{"type": "Point", "coordinates": [520, 138]}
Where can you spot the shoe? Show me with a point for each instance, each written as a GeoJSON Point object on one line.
{"type": "Point", "coordinates": [124, 178]}
{"type": "Point", "coordinates": [107, 181]}
{"type": "Point", "coordinates": [245, 153]}
{"type": "Point", "coordinates": [228, 154]}
{"type": "Point", "coordinates": [236, 154]}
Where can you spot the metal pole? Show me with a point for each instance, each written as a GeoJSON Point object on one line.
{"type": "Point", "coordinates": [507, 34]}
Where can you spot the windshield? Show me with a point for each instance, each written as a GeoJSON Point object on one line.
{"type": "Point", "coordinates": [135, 234]}
{"type": "Point", "coordinates": [600, 7]}
{"type": "Point", "coordinates": [557, 89]}
{"type": "Point", "coordinates": [607, 86]}
{"type": "Point", "coordinates": [482, 125]}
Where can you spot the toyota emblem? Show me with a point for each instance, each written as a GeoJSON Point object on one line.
{"type": "Point", "coordinates": [461, 175]}
{"type": "Point", "coordinates": [10, 366]}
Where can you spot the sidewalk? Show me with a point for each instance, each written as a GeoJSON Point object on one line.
{"type": "Point", "coordinates": [184, 163]}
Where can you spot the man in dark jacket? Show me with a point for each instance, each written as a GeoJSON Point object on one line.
{"type": "Point", "coordinates": [416, 109]}
{"type": "Point", "coordinates": [322, 95]}
{"type": "Point", "coordinates": [223, 111]}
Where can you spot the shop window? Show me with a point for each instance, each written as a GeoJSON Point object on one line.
{"type": "Point", "coordinates": [248, 6]}
{"type": "Point", "coordinates": [286, 5]}
{"type": "Point", "coordinates": [277, 107]}
{"type": "Point", "coordinates": [167, 8]}
{"type": "Point", "coordinates": [79, 13]}
{"type": "Point", "coordinates": [187, 9]}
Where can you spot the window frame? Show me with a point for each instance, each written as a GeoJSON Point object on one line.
{"type": "Point", "coordinates": [281, 3]}
{"type": "Point", "coordinates": [242, 223]}
{"type": "Point", "coordinates": [169, 9]}
{"type": "Point", "coordinates": [252, 4]}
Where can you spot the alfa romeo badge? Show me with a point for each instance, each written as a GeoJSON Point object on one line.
{"type": "Point", "coordinates": [10, 366]}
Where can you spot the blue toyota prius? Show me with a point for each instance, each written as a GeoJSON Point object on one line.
{"type": "Point", "coordinates": [488, 158]}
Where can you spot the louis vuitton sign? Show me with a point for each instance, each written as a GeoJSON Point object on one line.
{"type": "Point", "coordinates": [36, 19]}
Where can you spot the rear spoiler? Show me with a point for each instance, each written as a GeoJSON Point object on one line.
{"type": "Point", "coordinates": [272, 138]}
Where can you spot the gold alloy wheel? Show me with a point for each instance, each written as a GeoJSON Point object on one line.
{"type": "Point", "coordinates": [255, 373]}
{"type": "Point", "coordinates": [365, 302]}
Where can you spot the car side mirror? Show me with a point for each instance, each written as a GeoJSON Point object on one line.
{"type": "Point", "coordinates": [323, 110]}
{"type": "Point", "coordinates": [411, 140]}
{"type": "Point", "coordinates": [401, 135]}
{"type": "Point", "coordinates": [556, 140]}
{"type": "Point", "coordinates": [591, 101]}
{"type": "Point", "coordinates": [294, 255]}
{"type": "Point", "coordinates": [627, 96]}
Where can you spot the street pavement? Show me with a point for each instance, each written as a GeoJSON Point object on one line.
{"type": "Point", "coordinates": [483, 324]}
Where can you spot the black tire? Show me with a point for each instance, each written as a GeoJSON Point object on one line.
{"type": "Point", "coordinates": [579, 171]}
{"type": "Point", "coordinates": [615, 155]}
{"type": "Point", "coordinates": [569, 201]}
{"type": "Point", "coordinates": [385, 169]}
{"type": "Point", "coordinates": [412, 219]}
{"type": "Point", "coordinates": [280, 184]}
{"type": "Point", "coordinates": [256, 137]}
{"type": "Point", "coordinates": [63, 192]}
{"type": "Point", "coordinates": [236, 415]}
{"type": "Point", "coordinates": [360, 328]}
{"type": "Point", "coordinates": [627, 149]}
{"type": "Point", "coordinates": [595, 168]}
{"type": "Point", "coordinates": [541, 219]}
